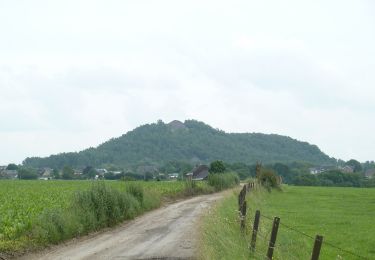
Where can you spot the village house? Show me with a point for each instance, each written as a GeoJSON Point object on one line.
{"type": "Point", "coordinates": [101, 172]}
{"type": "Point", "coordinates": [173, 176]}
{"type": "Point", "coordinates": [46, 173]}
{"type": "Point", "coordinates": [10, 174]}
{"type": "Point", "coordinates": [346, 169]}
{"type": "Point", "coordinates": [198, 173]}
{"type": "Point", "coordinates": [370, 173]}
{"type": "Point", "coordinates": [320, 169]}
{"type": "Point", "coordinates": [78, 172]}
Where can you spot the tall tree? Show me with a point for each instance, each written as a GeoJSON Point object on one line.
{"type": "Point", "coordinates": [12, 166]}
{"type": "Point", "coordinates": [357, 167]}
{"type": "Point", "coordinates": [217, 167]}
{"type": "Point", "coordinates": [67, 173]}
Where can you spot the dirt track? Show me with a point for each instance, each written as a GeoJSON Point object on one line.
{"type": "Point", "coordinates": [166, 233]}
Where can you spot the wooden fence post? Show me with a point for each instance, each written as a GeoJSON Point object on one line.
{"type": "Point", "coordinates": [240, 201]}
{"type": "Point", "coordinates": [317, 247]}
{"type": "Point", "coordinates": [241, 197]}
{"type": "Point", "coordinates": [271, 246]}
{"type": "Point", "coordinates": [243, 216]}
{"type": "Point", "coordinates": [255, 230]}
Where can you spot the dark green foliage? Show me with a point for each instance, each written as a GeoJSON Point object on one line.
{"type": "Point", "coordinates": [283, 171]}
{"type": "Point", "coordinates": [243, 170]}
{"type": "Point", "coordinates": [357, 167]}
{"type": "Point", "coordinates": [176, 167]}
{"type": "Point", "coordinates": [217, 167]}
{"type": "Point", "coordinates": [112, 176]}
{"type": "Point", "coordinates": [223, 181]}
{"type": "Point", "coordinates": [305, 179]}
{"type": "Point", "coordinates": [129, 176]}
{"type": "Point", "coordinates": [332, 178]}
{"type": "Point", "coordinates": [337, 178]}
{"type": "Point", "coordinates": [148, 176]}
{"type": "Point", "coordinates": [12, 167]}
{"type": "Point", "coordinates": [27, 173]}
{"type": "Point", "coordinates": [100, 206]}
{"type": "Point", "coordinates": [107, 206]}
{"type": "Point", "coordinates": [89, 172]}
{"type": "Point", "coordinates": [269, 179]}
{"type": "Point", "coordinates": [67, 173]}
{"type": "Point", "coordinates": [368, 165]}
{"type": "Point", "coordinates": [194, 143]}
{"type": "Point", "coordinates": [56, 174]}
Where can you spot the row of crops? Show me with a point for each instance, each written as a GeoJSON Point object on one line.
{"type": "Point", "coordinates": [21, 202]}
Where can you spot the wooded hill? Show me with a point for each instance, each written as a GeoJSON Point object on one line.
{"type": "Point", "coordinates": [192, 142]}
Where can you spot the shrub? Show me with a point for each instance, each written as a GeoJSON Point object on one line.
{"type": "Point", "coordinates": [217, 167]}
{"type": "Point", "coordinates": [223, 181]}
{"type": "Point", "coordinates": [100, 206]}
{"type": "Point", "coordinates": [269, 179]}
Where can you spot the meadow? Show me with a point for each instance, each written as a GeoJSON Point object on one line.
{"type": "Point", "coordinates": [343, 216]}
{"type": "Point", "coordinates": [22, 203]}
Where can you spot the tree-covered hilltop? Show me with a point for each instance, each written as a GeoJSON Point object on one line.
{"type": "Point", "coordinates": [191, 141]}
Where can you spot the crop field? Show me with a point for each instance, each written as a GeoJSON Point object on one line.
{"type": "Point", "coordinates": [343, 216]}
{"type": "Point", "coordinates": [21, 202]}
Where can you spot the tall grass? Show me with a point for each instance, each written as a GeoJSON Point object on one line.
{"type": "Point", "coordinates": [223, 181]}
{"type": "Point", "coordinates": [342, 215]}
{"type": "Point", "coordinates": [220, 235]}
{"type": "Point", "coordinates": [98, 207]}
{"type": "Point", "coordinates": [37, 213]}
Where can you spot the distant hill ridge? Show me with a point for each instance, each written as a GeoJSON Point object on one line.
{"type": "Point", "coordinates": [191, 141]}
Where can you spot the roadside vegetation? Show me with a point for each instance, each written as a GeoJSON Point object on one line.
{"type": "Point", "coordinates": [344, 216]}
{"type": "Point", "coordinates": [34, 214]}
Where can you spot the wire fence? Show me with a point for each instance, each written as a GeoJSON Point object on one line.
{"type": "Point", "coordinates": [269, 235]}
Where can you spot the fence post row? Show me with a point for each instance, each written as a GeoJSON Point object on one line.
{"type": "Point", "coordinates": [271, 246]}
{"type": "Point", "coordinates": [255, 230]}
{"type": "Point", "coordinates": [275, 227]}
{"type": "Point", "coordinates": [317, 247]}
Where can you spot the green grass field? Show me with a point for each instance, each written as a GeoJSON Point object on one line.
{"type": "Point", "coordinates": [22, 202]}
{"type": "Point", "coordinates": [344, 216]}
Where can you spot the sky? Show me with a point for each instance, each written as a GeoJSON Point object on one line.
{"type": "Point", "coordinates": [74, 74]}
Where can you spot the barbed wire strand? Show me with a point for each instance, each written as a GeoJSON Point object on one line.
{"type": "Point", "coordinates": [324, 242]}
{"type": "Point", "coordinates": [344, 250]}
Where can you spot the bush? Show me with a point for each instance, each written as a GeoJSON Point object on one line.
{"type": "Point", "coordinates": [217, 167]}
{"type": "Point", "coordinates": [269, 179]}
{"type": "Point", "coordinates": [108, 206]}
{"type": "Point", "coordinates": [100, 206]}
{"type": "Point", "coordinates": [197, 187]}
{"type": "Point", "coordinates": [223, 181]}
{"type": "Point", "coordinates": [27, 174]}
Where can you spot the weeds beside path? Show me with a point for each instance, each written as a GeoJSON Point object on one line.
{"type": "Point", "coordinates": [95, 208]}
{"type": "Point", "coordinates": [169, 232]}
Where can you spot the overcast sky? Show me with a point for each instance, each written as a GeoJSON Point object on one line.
{"type": "Point", "coordinates": [76, 73]}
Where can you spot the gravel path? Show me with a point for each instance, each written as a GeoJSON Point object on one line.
{"type": "Point", "coordinates": [169, 232]}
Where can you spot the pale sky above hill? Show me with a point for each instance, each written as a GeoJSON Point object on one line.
{"type": "Point", "coordinates": [76, 73]}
